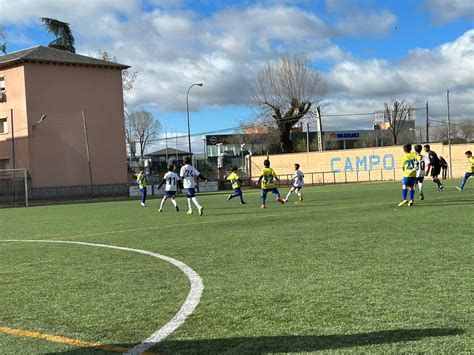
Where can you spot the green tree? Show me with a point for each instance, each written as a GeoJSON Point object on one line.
{"type": "Point", "coordinates": [64, 38]}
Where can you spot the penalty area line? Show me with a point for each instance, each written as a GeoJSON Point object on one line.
{"type": "Point", "coordinates": [187, 308]}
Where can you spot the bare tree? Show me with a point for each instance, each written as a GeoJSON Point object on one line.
{"type": "Point", "coordinates": [466, 129]}
{"type": "Point", "coordinates": [396, 116]}
{"type": "Point", "coordinates": [286, 91]}
{"type": "Point", "coordinates": [128, 75]}
{"type": "Point", "coordinates": [144, 127]}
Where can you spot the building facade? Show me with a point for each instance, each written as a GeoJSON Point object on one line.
{"type": "Point", "coordinates": [61, 118]}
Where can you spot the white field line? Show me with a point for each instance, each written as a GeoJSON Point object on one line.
{"type": "Point", "coordinates": [184, 312]}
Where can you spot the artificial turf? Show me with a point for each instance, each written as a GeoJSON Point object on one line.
{"type": "Point", "coordinates": [345, 271]}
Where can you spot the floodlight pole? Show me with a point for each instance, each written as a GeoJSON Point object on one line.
{"type": "Point", "coordinates": [13, 140]}
{"type": "Point", "coordinates": [187, 112]}
{"type": "Point", "coordinates": [87, 147]}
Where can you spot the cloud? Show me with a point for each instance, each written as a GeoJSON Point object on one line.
{"type": "Point", "coordinates": [445, 11]}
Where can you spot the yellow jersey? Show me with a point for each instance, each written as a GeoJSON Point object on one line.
{"type": "Point", "coordinates": [141, 180]}
{"type": "Point", "coordinates": [234, 179]}
{"type": "Point", "coordinates": [268, 180]}
{"type": "Point", "coordinates": [408, 164]}
{"type": "Point", "coordinates": [471, 164]}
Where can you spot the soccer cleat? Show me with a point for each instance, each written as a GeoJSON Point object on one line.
{"type": "Point", "coordinates": [422, 196]}
{"type": "Point", "coordinates": [282, 201]}
{"type": "Point", "coordinates": [142, 204]}
{"type": "Point", "coordinates": [200, 209]}
{"type": "Point", "coordinates": [402, 203]}
{"type": "Point", "coordinates": [229, 197]}
{"type": "Point", "coordinates": [190, 211]}
{"type": "Point", "coordinates": [263, 206]}
{"type": "Point", "coordinates": [177, 209]}
{"type": "Point", "coordinates": [441, 188]}
{"type": "Point", "coordinates": [301, 199]}
{"type": "Point", "coordinates": [458, 188]}
{"type": "Point", "coordinates": [410, 203]}
{"type": "Point", "coordinates": [160, 210]}
{"type": "Point", "coordinates": [243, 203]}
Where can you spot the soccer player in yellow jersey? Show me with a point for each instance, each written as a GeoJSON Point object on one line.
{"type": "Point", "coordinates": [267, 180]}
{"type": "Point", "coordinates": [470, 171]}
{"type": "Point", "coordinates": [409, 175]}
{"type": "Point", "coordinates": [142, 182]}
{"type": "Point", "coordinates": [236, 184]}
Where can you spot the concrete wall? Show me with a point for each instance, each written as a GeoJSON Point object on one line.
{"type": "Point", "coordinates": [369, 164]}
{"type": "Point", "coordinates": [58, 149]}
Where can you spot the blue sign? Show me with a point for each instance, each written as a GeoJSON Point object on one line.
{"type": "Point", "coordinates": [347, 135]}
{"type": "Point", "coordinates": [363, 163]}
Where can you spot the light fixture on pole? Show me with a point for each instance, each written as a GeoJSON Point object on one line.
{"type": "Point", "coordinates": [187, 112]}
{"type": "Point", "coordinates": [43, 117]}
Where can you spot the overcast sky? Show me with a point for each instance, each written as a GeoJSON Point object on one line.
{"type": "Point", "coordinates": [370, 52]}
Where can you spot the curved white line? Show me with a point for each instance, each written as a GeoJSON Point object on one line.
{"type": "Point", "coordinates": [184, 312]}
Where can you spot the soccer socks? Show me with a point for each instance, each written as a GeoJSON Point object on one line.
{"type": "Point", "coordinates": [420, 187]}
{"type": "Point", "coordinates": [437, 182]}
{"type": "Point", "coordinates": [190, 207]}
{"type": "Point", "coordinates": [404, 194]}
{"type": "Point", "coordinates": [195, 201]}
{"type": "Point", "coordinates": [467, 176]}
{"type": "Point", "coordinates": [162, 202]}
{"type": "Point", "coordinates": [412, 194]}
{"type": "Point", "coordinates": [173, 201]}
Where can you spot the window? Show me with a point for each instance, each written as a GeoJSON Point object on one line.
{"type": "Point", "coordinates": [2, 84]}
{"type": "Point", "coordinates": [3, 125]}
{"type": "Point", "coordinates": [4, 164]}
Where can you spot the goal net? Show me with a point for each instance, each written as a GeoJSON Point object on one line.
{"type": "Point", "coordinates": [13, 188]}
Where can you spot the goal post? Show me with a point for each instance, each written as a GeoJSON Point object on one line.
{"type": "Point", "coordinates": [13, 187]}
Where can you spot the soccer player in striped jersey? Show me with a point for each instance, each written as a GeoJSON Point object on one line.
{"type": "Point", "coordinates": [267, 180]}
{"type": "Point", "coordinates": [297, 184]}
{"type": "Point", "coordinates": [409, 175]}
{"type": "Point", "coordinates": [236, 185]}
{"type": "Point", "coordinates": [171, 187]}
{"type": "Point", "coordinates": [142, 183]}
{"type": "Point", "coordinates": [470, 171]}
{"type": "Point", "coordinates": [189, 174]}
{"type": "Point", "coordinates": [421, 164]}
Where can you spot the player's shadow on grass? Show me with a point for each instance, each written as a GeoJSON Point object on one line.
{"type": "Point", "coordinates": [292, 343]}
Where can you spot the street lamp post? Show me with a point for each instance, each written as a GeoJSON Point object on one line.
{"type": "Point", "coordinates": [187, 112]}
{"type": "Point", "coordinates": [129, 138]}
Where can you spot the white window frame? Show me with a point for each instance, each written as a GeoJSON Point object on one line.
{"type": "Point", "coordinates": [5, 125]}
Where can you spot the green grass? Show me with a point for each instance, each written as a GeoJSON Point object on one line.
{"type": "Point", "coordinates": [347, 271]}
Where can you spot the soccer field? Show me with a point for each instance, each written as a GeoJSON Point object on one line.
{"type": "Point", "coordinates": [345, 271]}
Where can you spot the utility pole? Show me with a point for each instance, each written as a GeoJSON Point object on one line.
{"type": "Point", "coordinates": [87, 147]}
{"type": "Point", "coordinates": [427, 124]}
{"type": "Point", "coordinates": [319, 128]}
{"type": "Point", "coordinates": [13, 139]}
{"type": "Point", "coordinates": [307, 137]}
{"type": "Point", "coordinates": [449, 139]}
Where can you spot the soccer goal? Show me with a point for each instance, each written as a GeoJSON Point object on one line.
{"type": "Point", "coordinates": [13, 187]}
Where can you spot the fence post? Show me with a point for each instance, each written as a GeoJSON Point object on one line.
{"type": "Point", "coordinates": [323, 178]}
{"type": "Point", "coordinates": [381, 174]}
{"type": "Point", "coordinates": [312, 178]}
{"type": "Point", "coordinates": [357, 175]}
{"type": "Point", "coordinates": [394, 175]}
{"type": "Point", "coordinates": [369, 177]}
{"type": "Point", "coordinates": [345, 176]}
{"type": "Point", "coordinates": [334, 176]}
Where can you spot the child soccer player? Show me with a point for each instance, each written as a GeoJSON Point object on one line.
{"type": "Point", "coordinates": [189, 174]}
{"type": "Point", "coordinates": [171, 180]}
{"type": "Point", "coordinates": [435, 166]}
{"type": "Point", "coordinates": [421, 163]}
{"type": "Point", "coordinates": [470, 171]}
{"type": "Point", "coordinates": [409, 176]}
{"type": "Point", "coordinates": [142, 182]}
{"type": "Point", "coordinates": [236, 184]}
{"type": "Point", "coordinates": [267, 179]}
{"type": "Point", "coordinates": [297, 184]}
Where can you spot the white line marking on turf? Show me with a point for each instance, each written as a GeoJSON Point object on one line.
{"type": "Point", "coordinates": [184, 312]}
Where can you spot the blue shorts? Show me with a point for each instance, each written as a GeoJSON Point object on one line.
{"type": "Point", "coordinates": [170, 193]}
{"type": "Point", "coordinates": [191, 192]}
{"type": "Point", "coordinates": [237, 191]}
{"type": "Point", "coordinates": [273, 191]}
{"type": "Point", "coordinates": [297, 188]}
{"type": "Point", "coordinates": [408, 181]}
{"type": "Point", "coordinates": [419, 179]}
{"type": "Point", "coordinates": [143, 191]}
